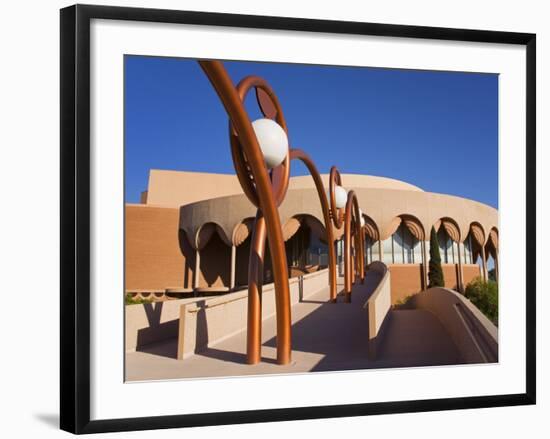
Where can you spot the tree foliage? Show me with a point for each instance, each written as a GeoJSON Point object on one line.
{"type": "Point", "coordinates": [435, 272]}
{"type": "Point", "coordinates": [484, 295]}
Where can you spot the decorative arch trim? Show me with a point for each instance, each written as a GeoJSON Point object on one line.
{"type": "Point", "coordinates": [414, 226]}
{"type": "Point", "coordinates": [478, 234]}
{"type": "Point", "coordinates": [371, 228]}
{"type": "Point", "coordinates": [450, 227]}
{"type": "Point", "coordinates": [290, 228]}
{"type": "Point", "coordinates": [393, 226]}
{"type": "Point", "coordinates": [493, 238]}
{"type": "Point", "coordinates": [204, 234]}
{"type": "Point", "coordinates": [242, 231]}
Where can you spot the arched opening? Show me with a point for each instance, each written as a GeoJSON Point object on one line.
{"type": "Point", "coordinates": [306, 248]}
{"type": "Point", "coordinates": [475, 256]}
{"type": "Point", "coordinates": [405, 244]}
{"type": "Point", "coordinates": [448, 238]}
{"type": "Point", "coordinates": [447, 247]}
{"type": "Point", "coordinates": [491, 251]}
{"type": "Point", "coordinates": [372, 240]}
{"type": "Point", "coordinates": [404, 253]}
{"type": "Point", "coordinates": [468, 249]}
{"type": "Point", "coordinates": [214, 259]}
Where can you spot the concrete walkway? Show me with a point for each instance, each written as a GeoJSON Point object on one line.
{"type": "Point", "coordinates": [325, 337]}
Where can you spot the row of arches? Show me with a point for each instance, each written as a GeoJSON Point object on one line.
{"type": "Point", "coordinates": [219, 262]}
{"type": "Point", "coordinates": [409, 243]}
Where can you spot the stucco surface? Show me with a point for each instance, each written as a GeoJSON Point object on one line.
{"type": "Point", "coordinates": [172, 188]}
{"type": "Point", "coordinates": [381, 205]}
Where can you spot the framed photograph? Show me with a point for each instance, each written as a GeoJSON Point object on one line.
{"type": "Point", "coordinates": [274, 218]}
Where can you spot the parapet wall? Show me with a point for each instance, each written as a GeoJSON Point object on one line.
{"type": "Point", "coordinates": [378, 307]}
{"type": "Point", "coordinates": [475, 336]}
{"type": "Point", "coordinates": [200, 322]}
{"type": "Point", "coordinates": [208, 322]}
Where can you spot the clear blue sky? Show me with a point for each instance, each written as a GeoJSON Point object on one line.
{"type": "Point", "coordinates": [436, 130]}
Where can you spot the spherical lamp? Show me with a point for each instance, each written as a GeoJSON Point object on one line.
{"type": "Point", "coordinates": [273, 141]}
{"type": "Point", "coordinates": [362, 218]}
{"type": "Point", "coordinates": [340, 196]}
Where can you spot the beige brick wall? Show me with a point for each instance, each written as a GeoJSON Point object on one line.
{"type": "Point", "coordinates": [406, 279]}
{"type": "Point", "coordinates": [450, 272]}
{"type": "Point", "coordinates": [471, 271]}
{"type": "Point", "coordinates": [153, 256]}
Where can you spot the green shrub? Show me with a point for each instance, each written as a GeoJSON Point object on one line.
{"type": "Point", "coordinates": [435, 272]}
{"type": "Point", "coordinates": [129, 300]}
{"type": "Point", "coordinates": [484, 295]}
{"type": "Point", "coordinates": [406, 302]}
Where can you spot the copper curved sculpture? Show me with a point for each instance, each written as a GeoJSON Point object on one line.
{"type": "Point", "coordinates": [352, 219]}
{"type": "Point", "coordinates": [266, 192]}
{"type": "Point", "coordinates": [270, 107]}
{"type": "Point", "coordinates": [298, 154]}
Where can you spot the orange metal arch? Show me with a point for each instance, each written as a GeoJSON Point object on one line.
{"type": "Point", "coordinates": [263, 194]}
{"type": "Point", "coordinates": [297, 154]}
{"type": "Point", "coordinates": [352, 219]}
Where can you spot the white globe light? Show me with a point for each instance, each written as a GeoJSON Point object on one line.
{"type": "Point", "coordinates": [362, 218]}
{"type": "Point", "coordinates": [273, 141]}
{"type": "Point", "coordinates": [340, 197]}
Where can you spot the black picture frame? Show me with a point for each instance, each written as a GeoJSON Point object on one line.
{"type": "Point", "coordinates": [75, 217]}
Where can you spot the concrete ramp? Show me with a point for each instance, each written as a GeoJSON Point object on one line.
{"type": "Point", "coordinates": [416, 338]}
{"type": "Point", "coordinates": [326, 336]}
{"type": "Point", "coordinates": [404, 338]}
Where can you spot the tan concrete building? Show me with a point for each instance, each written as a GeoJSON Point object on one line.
{"type": "Point", "coordinates": [191, 233]}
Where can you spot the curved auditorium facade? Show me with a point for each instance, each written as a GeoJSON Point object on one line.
{"type": "Point", "coordinates": [190, 235]}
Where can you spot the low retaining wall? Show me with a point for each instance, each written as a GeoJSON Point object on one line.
{"type": "Point", "coordinates": [199, 322]}
{"type": "Point", "coordinates": [475, 336]}
{"type": "Point", "coordinates": [151, 322]}
{"type": "Point", "coordinates": [378, 307]}
{"type": "Point", "coordinates": [207, 322]}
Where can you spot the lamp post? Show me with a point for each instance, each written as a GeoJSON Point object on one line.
{"type": "Point", "coordinates": [352, 219]}
{"type": "Point", "coordinates": [344, 209]}
{"type": "Point", "coordinates": [261, 157]}
{"type": "Point", "coordinates": [265, 190]}
{"type": "Point", "coordinates": [297, 154]}
{"type": "Point", "coordinates": [337, 196]}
